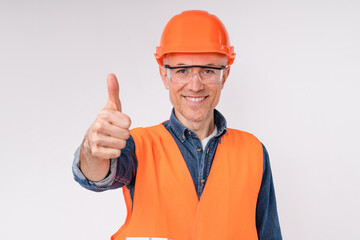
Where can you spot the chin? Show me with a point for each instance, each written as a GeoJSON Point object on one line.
{"type": "Point", "coordinates": [195, 116]}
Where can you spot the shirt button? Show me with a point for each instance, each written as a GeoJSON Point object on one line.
{"type": "Point", "coordinates": [202, 182]}
{"type": "Point", "coordinates": [207, 151]}
{"type": "Point", "coordinates": [198, 149]}
{"type": "Point", "coordinates": [183, 137]}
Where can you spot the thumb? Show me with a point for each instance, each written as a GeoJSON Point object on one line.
{"type": "Point", "coordinates": [113, 90]}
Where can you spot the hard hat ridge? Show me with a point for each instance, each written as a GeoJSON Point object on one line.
{"type": "Point", "coordinates": [195, 31]}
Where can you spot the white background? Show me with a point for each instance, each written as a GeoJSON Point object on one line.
{"type": "Point", "coordinates": [294, 84]}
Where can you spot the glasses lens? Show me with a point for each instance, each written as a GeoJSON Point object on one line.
{"type": "Point", "coordinates": [184, 75]}
{"type": "Point", "coordinates": [209, 75]}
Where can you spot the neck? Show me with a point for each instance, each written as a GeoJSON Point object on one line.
{"type": "Point", "coordinates": [202, 129]}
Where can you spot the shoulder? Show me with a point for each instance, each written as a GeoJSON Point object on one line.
{"type": "Point", "coordinates": [148, 130]}
{"type": "Point", "coordinates": [235, 134]}
{"type": "Point", "coordinates": [149, 134]}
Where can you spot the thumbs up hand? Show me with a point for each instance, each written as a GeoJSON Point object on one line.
{"type": "Point", "coordinates": [106, 136]}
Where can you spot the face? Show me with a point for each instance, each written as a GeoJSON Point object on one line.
{"type": "Point", "coordinates": [194, 102]}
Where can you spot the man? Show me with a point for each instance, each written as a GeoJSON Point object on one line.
{"type": "Point", "coordinates": [190, 177]}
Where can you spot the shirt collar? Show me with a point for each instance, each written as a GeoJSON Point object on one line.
{"type": "Point", "coordinates": [180, 130]}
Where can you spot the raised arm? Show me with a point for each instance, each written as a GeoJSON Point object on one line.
{"type": "Point", "coordinates": [105, 137]}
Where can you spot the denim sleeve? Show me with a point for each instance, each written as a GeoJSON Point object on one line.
{"type": "Point", "coordinates": [267, 221]}
{"type": "Point", "coordinates": [122, 170]}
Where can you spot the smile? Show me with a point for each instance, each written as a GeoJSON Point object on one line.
{"type": "Point", "coordinates": [195, 99]}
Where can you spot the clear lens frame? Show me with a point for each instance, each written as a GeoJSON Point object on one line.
{"type": "Point", "coordinates": [184, 74]}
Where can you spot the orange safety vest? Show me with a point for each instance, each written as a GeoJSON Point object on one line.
{"type": "Point", "coordinates": [166, 204]}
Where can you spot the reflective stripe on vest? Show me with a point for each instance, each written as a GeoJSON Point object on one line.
{"type": "Point", "coordinates": [166, 204]}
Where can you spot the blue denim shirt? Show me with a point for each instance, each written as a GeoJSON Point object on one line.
{"type": "Point", "coordinates": [198, 160]}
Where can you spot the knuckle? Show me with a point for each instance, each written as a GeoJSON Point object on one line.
{"type": "Point", "coordinates": [122, 144]}
{"type": "Point", "coordinates": [95, 151]}
{"type": "Point", "coordinates": [116, 153]}
{"type": "Point", "coordinates": [106, 114]}
{"type": "Point", "coordinates": [96, 139]}
{"type": "Point", "coordinates": [127, 134]}
{"type": "Point", "coordinates": [127, 122]}
{"type": "Point", "coordinates": [99, 126]}
{"type": "Point", "coordinates": [96, 125]}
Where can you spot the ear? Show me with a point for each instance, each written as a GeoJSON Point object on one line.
{"type": "Point", "coordinates": [164, 77]}
{"type": "Point", "coordinates": [225, 76]}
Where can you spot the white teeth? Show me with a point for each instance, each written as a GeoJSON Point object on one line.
{"type": "Point", "coordinates": [195, 99]}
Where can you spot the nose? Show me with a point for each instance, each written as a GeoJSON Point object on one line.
{"type": "Point", "coordinates": [195, 84]}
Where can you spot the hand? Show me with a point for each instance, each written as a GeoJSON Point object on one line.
{"type": "Point", "coordinates": [109, 132]}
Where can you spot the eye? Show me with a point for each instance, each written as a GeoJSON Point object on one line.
{"type": "Point", "coordinates": [182, 71]}
{"type": "Point", "coordinates": [208, 71]}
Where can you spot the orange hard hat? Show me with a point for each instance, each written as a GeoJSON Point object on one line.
{"type": "Point", "coordinates": [195, 31]}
